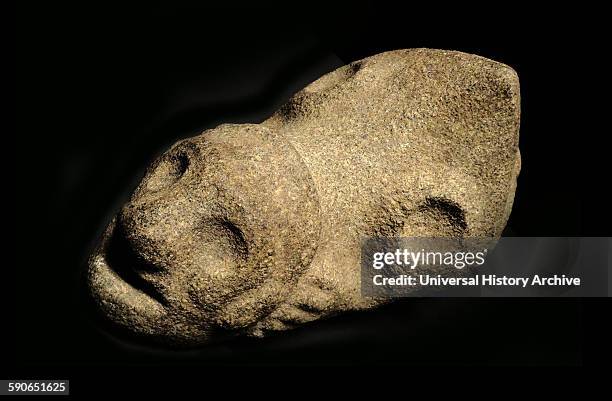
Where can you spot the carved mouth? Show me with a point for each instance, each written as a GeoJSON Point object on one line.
{"type": "Point", "coordinates": [120, 291]}
{"type": "Point", "coordinates": [129, 265]}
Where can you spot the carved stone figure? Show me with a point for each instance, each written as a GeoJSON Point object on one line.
{"type": "Point", "coordinates": [252, 228]}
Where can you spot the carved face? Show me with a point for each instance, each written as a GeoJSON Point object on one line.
{"type": "Point", "coordinates": [217, 233]}
{"type": "Point", "coordinates": [247, 228]}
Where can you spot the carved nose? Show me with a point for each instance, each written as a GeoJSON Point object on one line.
{"type": "Point", "coordinates": [151, 228]}
{"type": "Point", "coordinates": [157, 218]}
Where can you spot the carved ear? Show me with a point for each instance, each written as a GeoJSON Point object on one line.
{"type": "Point", "coordinates": [475, 131]}
{"type": "Point", "coordinates": [488, 154]}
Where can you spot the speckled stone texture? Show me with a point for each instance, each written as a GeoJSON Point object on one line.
{"type": "Point", "coordinates": [252, 228]}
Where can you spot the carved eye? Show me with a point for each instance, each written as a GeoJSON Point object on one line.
{"type": "Point", "coordinates": [435, 217]}
{"type": "Point", "coordinates": [448, 210]}
{"type": "Point", "coordinates": [168, 170]}
{"type": "Point", "coordinates": [179, 164]}
{"type": "Point", "coordinates": [234, 237]}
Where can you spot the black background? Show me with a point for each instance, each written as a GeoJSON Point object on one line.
{"type": "Point", "coordinates": [102, 89]}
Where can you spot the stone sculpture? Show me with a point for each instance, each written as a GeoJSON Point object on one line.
{"type": "Point", "coordinates": [252, 228]}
